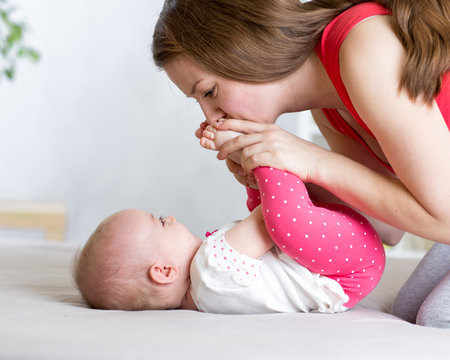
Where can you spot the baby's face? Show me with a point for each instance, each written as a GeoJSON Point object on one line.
{"type": "Point", "coordinates": [172, 236]}
{"type": "Point", "coordinates": [143, 231]}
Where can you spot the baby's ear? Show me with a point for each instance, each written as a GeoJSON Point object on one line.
{"type": "Point", "coordinates": [163, 274]}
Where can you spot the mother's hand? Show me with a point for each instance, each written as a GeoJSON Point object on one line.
{"type": "Point", "coordinates": [199, 131]}
{"type": "Point", "coordinates": [269, 145]}
{"type": "Point", "coordinates": [245, 178]}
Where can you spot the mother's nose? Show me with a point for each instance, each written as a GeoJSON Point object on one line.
{"type": "Point", "coordinates": [212, 113]}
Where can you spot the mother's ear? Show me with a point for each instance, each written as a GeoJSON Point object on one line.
{"type": "Point", "coordinates": [163, 274]}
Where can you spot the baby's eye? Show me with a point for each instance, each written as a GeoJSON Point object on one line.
{"type": "Point", "coordinates": [210, 92]}
{"type": "Point", "coordinates": [162, 220]}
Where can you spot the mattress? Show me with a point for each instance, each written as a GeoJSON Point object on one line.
{"type": "Point", "coordinates": [43, 317]}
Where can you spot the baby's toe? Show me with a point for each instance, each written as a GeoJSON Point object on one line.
{"type": "Point", "coordinates": [208, 134]}
{"type": "Point", "coordinates": [207, 143]}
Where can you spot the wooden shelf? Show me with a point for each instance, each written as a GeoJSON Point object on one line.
{"type": "Point", "coordinates": [47, 216]}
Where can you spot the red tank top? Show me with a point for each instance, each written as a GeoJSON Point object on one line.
{"type": "Point", "coordinates": [328, 52]}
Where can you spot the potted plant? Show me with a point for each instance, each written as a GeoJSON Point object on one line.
{"type": "Point", "coordinates": [12, 46]}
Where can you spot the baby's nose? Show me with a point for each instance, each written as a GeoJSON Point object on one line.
{"type": "Point", "coordinates": [170, 219]}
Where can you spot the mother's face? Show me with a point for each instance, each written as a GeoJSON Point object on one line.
{"type": "Point", "coordinates": [224, 98]}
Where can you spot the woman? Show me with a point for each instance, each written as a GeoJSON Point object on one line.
{"type": "Point", "coordinates": [378, 72]}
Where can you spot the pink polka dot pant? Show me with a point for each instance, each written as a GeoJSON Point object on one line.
{"type": "Point", "coordinates": [328, 239]}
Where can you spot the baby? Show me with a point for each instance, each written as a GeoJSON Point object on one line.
{"type": "Point", "coordinates": [288, 255]}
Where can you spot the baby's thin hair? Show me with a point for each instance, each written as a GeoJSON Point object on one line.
{"type": "Point", "coordinates": [109, 283]}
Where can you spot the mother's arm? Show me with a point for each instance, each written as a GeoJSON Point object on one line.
{"type": "Point", "coordinates": [413, 135]}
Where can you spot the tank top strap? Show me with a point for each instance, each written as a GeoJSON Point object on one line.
{"type": "Point", "coordinates": [332, 38]}
{"type": "Point", "coordinates": [328, 51]}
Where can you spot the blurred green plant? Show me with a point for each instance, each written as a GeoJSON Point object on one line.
{"type": "Point", "coordinates": [12, 46]}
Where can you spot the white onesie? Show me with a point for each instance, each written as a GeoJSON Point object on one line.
{"type": "Point", "coordinates": [227, 282]}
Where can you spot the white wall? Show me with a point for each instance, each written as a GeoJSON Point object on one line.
{"type": "Point", "coordinates": [95, 125]}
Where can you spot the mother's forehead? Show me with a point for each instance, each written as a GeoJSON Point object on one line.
{"type": "Point", "coordinates": [186, 73]}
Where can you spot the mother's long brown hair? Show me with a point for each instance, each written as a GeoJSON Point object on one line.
{"type": "Point", "coordinates": [265, 40]}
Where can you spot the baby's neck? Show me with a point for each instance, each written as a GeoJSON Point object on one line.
{"type": "Point", "coordinates": [188, 303]}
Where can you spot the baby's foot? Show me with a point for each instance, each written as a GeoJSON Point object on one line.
{"type": "Point", "coordinates": [213, 139]}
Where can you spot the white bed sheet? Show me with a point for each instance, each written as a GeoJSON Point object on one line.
{"type": "Point", "coordinates": [43, 317]}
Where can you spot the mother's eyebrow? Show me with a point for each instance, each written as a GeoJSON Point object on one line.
{"type": "Point", "coordinates": [194, 87]}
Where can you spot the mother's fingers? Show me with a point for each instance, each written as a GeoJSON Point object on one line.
{"type": "Point", "coordinates": [264, 158]}
{"type": "Point", "coordinates": [235, 168]}
{"type": "Point", "coordinates": [238, 143]}
{"type": "Point", "coordinates": [199, 131]}
{"type": "Point", "coordinates": [262, 154]}
{"type": "Point", "coordinates": [243, 126]}
{"type": "Point", "coordinates": [246, 179]}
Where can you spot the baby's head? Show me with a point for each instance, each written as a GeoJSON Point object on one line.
{"type": "Point", "coordinates": [136, 261]}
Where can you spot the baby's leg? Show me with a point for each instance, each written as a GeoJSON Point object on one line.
{"type": "Point", "coordinates": [213, 139]}
{"type": "Point", "coordinates": [328, 239]}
